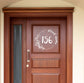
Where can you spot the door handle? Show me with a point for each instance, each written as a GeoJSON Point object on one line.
{"type": "Point", "coordinates": [28, 55]}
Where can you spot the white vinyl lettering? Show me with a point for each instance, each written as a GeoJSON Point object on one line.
{"type": "Point", "coordinates": [51, 32]}
{"type": "Point", "coordinates": [46, 39]}
{"type": "Point", "coordinates": [56, 40]}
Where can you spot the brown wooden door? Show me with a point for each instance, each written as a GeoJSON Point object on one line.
{"type": "Point", "coordinates": [43, 50]}
{"type": "Point", "coordinates": [46, 46]}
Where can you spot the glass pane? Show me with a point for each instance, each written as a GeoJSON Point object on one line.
{"type": "Point", "coordinates": [45, 38]}
{"type": "Point", "coordinates": [17, 58]}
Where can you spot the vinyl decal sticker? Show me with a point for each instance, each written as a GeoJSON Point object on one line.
{"type": "Point", "coordinates": [46, 39]}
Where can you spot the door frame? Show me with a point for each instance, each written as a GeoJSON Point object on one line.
{"type": "Point", "coordinates": [38, 12]}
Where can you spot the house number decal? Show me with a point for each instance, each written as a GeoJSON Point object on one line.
{"type": "Point", "coordinates": [46, 39]}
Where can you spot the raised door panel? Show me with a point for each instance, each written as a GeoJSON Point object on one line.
{"type": "Point", "coordinates": [45, 63]}
{"type": "Point", "coordinates": [45, 78]}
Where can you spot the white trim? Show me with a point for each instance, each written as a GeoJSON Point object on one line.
{"type": "Point", "coordinates": [2, 47]}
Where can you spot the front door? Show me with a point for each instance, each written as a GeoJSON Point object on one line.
{"type": "Point", "coordinates": [38, 50]}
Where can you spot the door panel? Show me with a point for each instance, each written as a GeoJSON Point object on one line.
{"type": "Point", "coordinates": [45, 63]}
{"type": "Point", "coordinates": [45, 78]}
{"type": "Point", "coordinates": [46, 40]}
